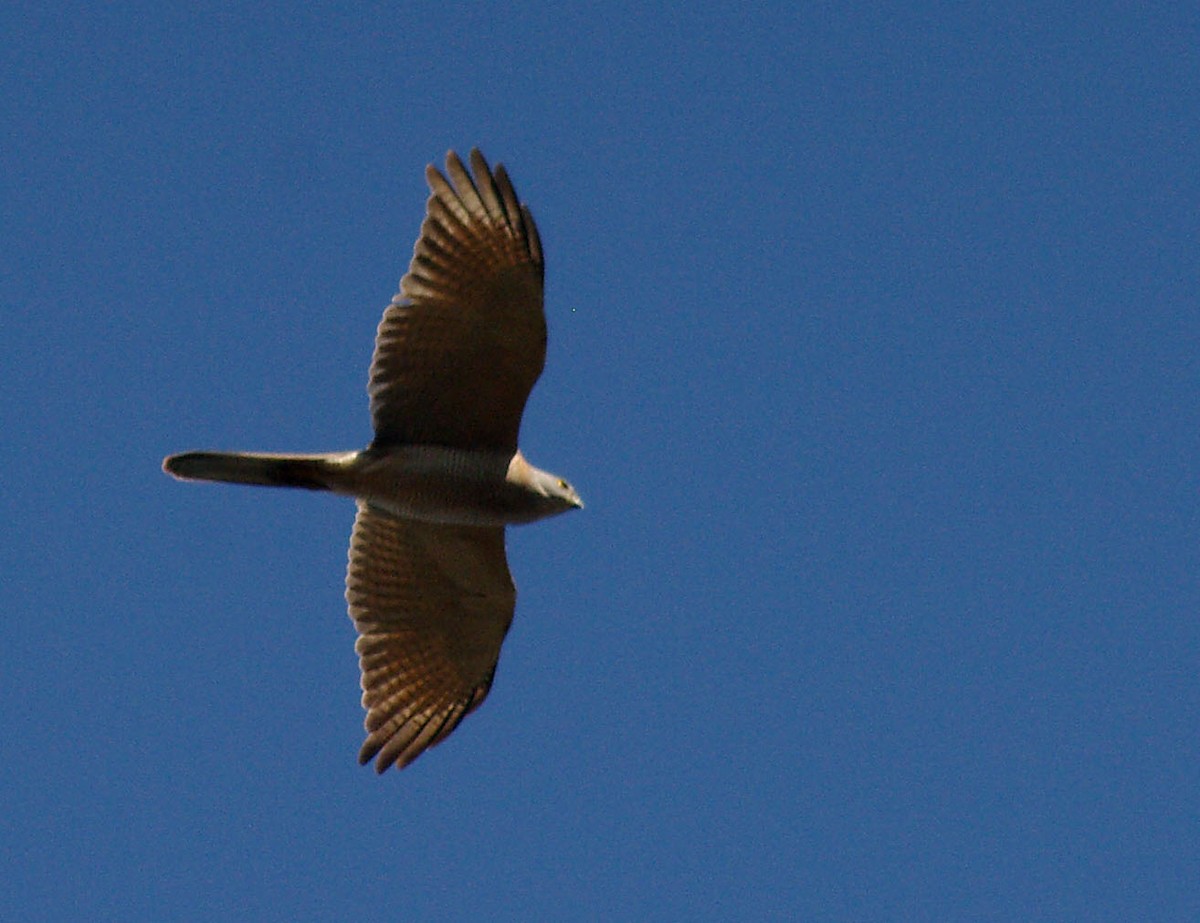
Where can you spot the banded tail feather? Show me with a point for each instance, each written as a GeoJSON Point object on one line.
{"type": "Point", "coordinates": [266, 469]}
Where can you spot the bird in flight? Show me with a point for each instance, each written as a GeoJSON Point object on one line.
{"type": "Point", "coordinates": [457, 352]}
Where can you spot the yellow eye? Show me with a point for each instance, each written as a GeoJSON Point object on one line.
{"type": "Point", "coordinates": [563, 484]}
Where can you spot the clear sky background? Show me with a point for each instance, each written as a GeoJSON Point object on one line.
{"type": "Point", "coordinates": [873, 351]}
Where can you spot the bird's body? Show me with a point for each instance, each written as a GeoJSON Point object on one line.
{"type": "Point", "coordinates": [456, 355]}
{"type": "Point", "coordinates": [422, 482]}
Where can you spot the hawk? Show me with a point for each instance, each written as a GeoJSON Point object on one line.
{"type": "Point", "coordinates": [457, 352]}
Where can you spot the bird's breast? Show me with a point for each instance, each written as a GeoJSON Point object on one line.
{"type": "Point", "coordinates": [436, 484]}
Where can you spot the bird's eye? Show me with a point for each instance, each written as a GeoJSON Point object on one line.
{"type": "Point", "coordinates": [563, 484]}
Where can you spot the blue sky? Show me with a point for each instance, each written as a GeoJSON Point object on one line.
{"type": "Point", "coordinates": [874, 341]}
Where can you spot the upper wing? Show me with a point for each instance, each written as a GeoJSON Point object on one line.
{"type": "Point", "coordinates": [432, 604]}
{"type": "Point", "coordinates": [459, 349]}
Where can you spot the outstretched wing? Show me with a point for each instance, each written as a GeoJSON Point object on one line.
{"type": "Point", "coordinates": [460, 348]}
{"type": "Point", "coordinates": [432, 604]}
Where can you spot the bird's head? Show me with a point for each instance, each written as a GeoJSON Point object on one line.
{"type": "Point", "coordinates": [551, 494]}
{"type": "Point", "coordinates": [557, 489]}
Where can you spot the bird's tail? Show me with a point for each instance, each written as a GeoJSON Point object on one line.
{"type": "Point", "coordinates": [314, 472]}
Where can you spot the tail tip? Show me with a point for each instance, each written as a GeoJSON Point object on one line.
{"type": "Point", "coordinates": [170, 465]}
